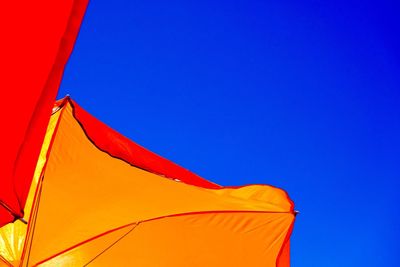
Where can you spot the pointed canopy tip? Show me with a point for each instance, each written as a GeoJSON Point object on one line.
{"type": "Point", "coordinates": [105, 138]}
{"type": "Point", "coordinates": [95, 130]}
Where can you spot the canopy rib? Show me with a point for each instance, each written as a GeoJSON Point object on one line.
{"type": "Point", "coordinates": [110, 246]}
{"type": "Point", "coordinates": [5, 261]}
{"type": "Point", "coordinates": [158, 218]}
{"type": "Point", "coordinates": [35, 206]}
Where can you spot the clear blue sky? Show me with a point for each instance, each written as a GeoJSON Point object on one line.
{"type": "Point", "coordinates": [304, 95]}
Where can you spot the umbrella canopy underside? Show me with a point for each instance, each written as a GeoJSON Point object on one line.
{"type": "Point", "coordinates": [91, 206]}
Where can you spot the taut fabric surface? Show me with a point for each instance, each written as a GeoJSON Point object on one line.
{"type": "Point", "coordinates": [37, 39]}
{"type": "Point", "coordinates": [92, 208]}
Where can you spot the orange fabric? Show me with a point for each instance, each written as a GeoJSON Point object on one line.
{"type": "Point", "coordinates": [209, 239]}
{"type": "Point", "coordinates": [37, 39]}
{"type": "Point", "coordinates": [121, 147]}
{"type": "Point", "coordinates": [86, 194]}
{"type": "Point", "coordinates": [90, 207]}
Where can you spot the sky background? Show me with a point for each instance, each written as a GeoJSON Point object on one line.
{"type": "Point", "coordinates": [303, 95]}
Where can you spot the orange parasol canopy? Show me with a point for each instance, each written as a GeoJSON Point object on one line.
{"type": "Point", "coordinates": [99, 199]}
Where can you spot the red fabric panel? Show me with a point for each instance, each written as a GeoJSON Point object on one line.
{"type": "Point", "coordinates": [117, 145]}
{"type": "Point", "coordinates": [283, 259]}
{"type": "Point", "coordinates": [5, 217]}
{"type": "Point", "coordinates": [37, 39]}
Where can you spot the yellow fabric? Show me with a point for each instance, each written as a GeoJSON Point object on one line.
{"type": "Point", "coordinates": [12, 236]}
